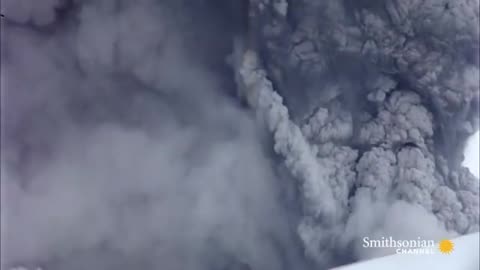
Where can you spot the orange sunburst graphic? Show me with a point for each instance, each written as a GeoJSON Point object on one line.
{"type": "Point", "coordinates": [445, 246]}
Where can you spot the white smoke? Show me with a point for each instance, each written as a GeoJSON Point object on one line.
{"type": "Point", "coordinates": [121, 149]}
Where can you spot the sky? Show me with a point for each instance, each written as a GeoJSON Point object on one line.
{"type": "Point", "coordinates": [472, 154]}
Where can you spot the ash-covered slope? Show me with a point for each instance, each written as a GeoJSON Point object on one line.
{"type": "Point", "coordinates": [126, 142]}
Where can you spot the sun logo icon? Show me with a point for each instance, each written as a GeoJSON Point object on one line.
{"type": "Point", "coordinates": [445, 246]}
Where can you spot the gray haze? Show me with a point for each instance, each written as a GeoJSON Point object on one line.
{"type": "Point", "coordinates": [233, 135]}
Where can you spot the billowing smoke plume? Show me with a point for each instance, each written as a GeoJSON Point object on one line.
{"type": "Point", "coordinates": [379, 97]}
{"type": "Point", "coordinates": [126, 142]}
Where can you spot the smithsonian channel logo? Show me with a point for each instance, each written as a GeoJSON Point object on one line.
{"type": "Point", "coordinates": [417, 246]}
